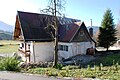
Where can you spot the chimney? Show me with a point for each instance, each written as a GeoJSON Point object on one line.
{"type": "Point", "coordinates": [91, 29]}
{"type": "Point", "coordinates": [91, 22]}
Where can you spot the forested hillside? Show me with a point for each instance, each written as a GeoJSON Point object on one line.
{"type": "Point", "coordinates": [4, 35]}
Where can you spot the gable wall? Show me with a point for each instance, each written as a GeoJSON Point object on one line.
{"type": "Point", "coordinates": [81, 36]}
{"type": "Point", "coordinates": [17, 30]}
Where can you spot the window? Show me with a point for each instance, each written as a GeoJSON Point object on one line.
{"type": "Point", "coordinates": [81, 33]}
{"type": "Point", "coordinates": [66, 48]}
{"type": "Point", "coordinates": [63, 47]}
{"type": "Point", "coordinates": [28, 46]}
{"type": "Point", "coordinates": [21, 45]}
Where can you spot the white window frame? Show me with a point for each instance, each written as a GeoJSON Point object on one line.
{"type": "Point", "coordinates": [63, 47]}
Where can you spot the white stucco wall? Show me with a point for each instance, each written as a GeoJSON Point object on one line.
{"type": "Point", "coordinates": [64, 54]}
{"type": "Point", "coordinates": [39, 51]}
{"type": "Point", "coordinates": [43, 51]}
{"type": "Point", "coordinates": [74, 49]}
{"type": "Point", "coordinates": [83, 46]}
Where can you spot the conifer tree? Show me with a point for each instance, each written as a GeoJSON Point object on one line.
{"type": "Point", "coordinates": [107, 35]}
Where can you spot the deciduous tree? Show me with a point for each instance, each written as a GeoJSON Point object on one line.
{"type": "Point", "coordinates": [54, 8]}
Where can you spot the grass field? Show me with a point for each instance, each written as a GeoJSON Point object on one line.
{"type": "Point", "coordinates": [104, 68]}
{"type": "Point", "coordinates": [4, 42]}
{"type": "Point", "coordinates": [8, 46]}
{"type": "Point", "coordinates": [106, 60]}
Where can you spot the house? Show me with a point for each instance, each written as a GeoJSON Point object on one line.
{"type": "Point", "coordinates": [37, 44]}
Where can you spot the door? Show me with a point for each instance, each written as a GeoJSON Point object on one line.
{"type": "Point", "coordinates": [81, 48]}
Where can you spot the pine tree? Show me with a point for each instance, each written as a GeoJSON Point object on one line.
{"type": "Point", "coordinates": [107, 35]}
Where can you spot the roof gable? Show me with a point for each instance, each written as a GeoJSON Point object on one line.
{"type": "Point", "coordinates": [81, 35]}
{"type": "Point", "coordinates": [17, 30]}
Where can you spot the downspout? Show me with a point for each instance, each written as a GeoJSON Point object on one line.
{"type": "Point", "coordinates": [34, 52]}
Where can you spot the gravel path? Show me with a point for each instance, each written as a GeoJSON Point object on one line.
{"type": "Point", "coordinates": [4, 75]}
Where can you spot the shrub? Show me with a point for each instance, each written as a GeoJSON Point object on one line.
{"type": "Point", "coordinates": [59, 66]}
{"type": "Point", "coordinates": [9, 64]}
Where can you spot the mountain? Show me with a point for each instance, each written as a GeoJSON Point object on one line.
{"type": "Point", "coordinates": [6, 27]}
{"type": "Point", "coordinates": [6, 31]}
{"type": "Point", "coordinates": [4, 35]}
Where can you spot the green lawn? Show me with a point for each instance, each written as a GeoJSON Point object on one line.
{"type": "Point", "coordinates": [8, 46]}
{"type": "Point", "coordinates": [110, 73]}
{"type": "Point", "coordinates": [106, 60]}
{"type": "Point", "coordinates": [9, 42]}
{"type": "Point", "coordinates": [104, 67]}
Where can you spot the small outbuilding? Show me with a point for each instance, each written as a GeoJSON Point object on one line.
{"type": "Point", "coordinates": [37, 43]}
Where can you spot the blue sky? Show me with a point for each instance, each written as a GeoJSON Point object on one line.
{"type": "Point", "coordinates": [78, 9]}
{"type": "Point", "coordinates": [92, 9]}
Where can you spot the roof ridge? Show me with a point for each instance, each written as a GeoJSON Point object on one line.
{"type": "Point", "coordinates": [32, 13]}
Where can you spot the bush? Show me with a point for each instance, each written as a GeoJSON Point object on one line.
{"type": "Point", "coordinates": [59, 66]}
{"type": "Point", "coordinates": [9, 64]}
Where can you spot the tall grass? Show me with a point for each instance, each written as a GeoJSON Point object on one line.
{"type": "Point", "coordinates": [105, 68]}
{"type": "Point", "coordinates": [108, 73]}
{"type": "Point", "coordinates": [9, 64]}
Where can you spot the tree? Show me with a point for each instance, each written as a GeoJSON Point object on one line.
{"type": "Point", "coordinates": [54, 8]}
{"type": "Point", "coordinates": [107, 35]}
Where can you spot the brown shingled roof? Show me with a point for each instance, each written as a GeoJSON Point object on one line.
{"type": "Point", "coordinates": [67, 31]}
{"type": "Point", "coordinates": [33, 27]}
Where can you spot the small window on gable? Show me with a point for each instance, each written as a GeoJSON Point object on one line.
{"type": "Point", "coordinates": [63, 47]}
{"type": "Point", "coordinates": [81, 33]}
